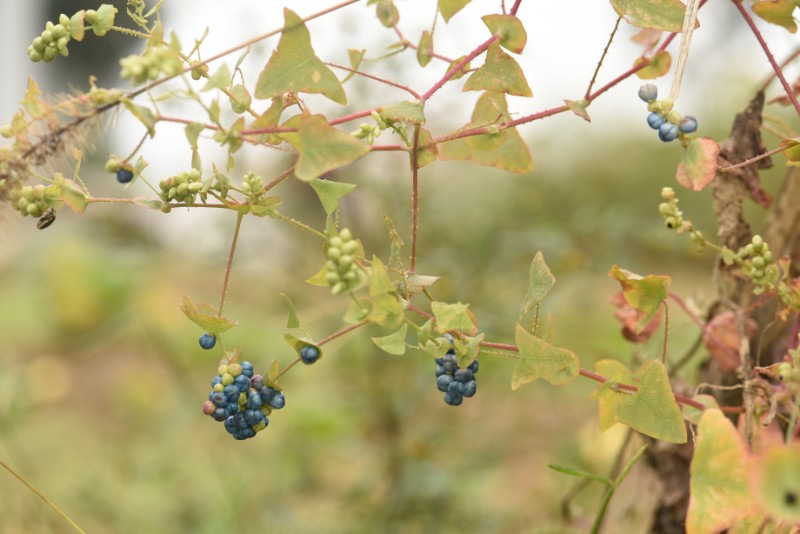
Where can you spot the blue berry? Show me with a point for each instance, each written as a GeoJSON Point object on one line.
{"type": "Point", "coordinates": [253, 400]}
{"type": "Point", "coordinates": [688, 124]}
{"type": "Point", "coordinates": [232, 408]}
{"type": "Point", "coordinates": [231, 393]}
{"type": "Point", "coordinates": [247, 369]}
{"type": "Point", "coordinates": [207, 341]}
{"type": "Point", "coordinates": [453, 399]}
{"type": "Point", "coordinates": [439, 370]}
{"type": "Point", "coordinates": [443, 382]}
{"type": "Point", "coordinates": [242, 382]}
{"type": "Point", "coordinates": [218, 398]}
{"type": "Point", "coordinates": [668, 132]}
{"type": "Point", "coordinates": [648, 92]}
{"type": "Point", "coordinates": [220, 414]}
{"type": "Point", "coordinates": [655, 120]}
{"type": "Point", "coordinates": [124, 176]}
{"type": "Point", "coordinates": [455, 387]}
{"type": "Point", "coordinates": [277, 401]}
{"type": "Point", "coordinates": [473, 366]}
{"type": "Point", "coordinates": [217, 380]}
{"type": "Point", "coordinates": [309, 354]}
{"type": "Point", "coordinates": [470, 388]}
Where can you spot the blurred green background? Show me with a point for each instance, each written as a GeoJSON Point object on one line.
{"type": "Point", "coordinates": [102, 379]}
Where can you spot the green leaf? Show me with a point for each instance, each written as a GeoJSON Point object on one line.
{"type": "Point", "coordinates": [273, 372]}
{"type": "Point", "coordinates": [393, 343]}
{"type": "Point", "coordinates": [355, 57]}
{"type": "Point", "coordinates": [330, 193]}
{"type": "Point", "coordinates": [77, 28]}
{"type": "Point", "coordinates": [299, 343]}
{"type": "Point", "coordinates": [606, 394]}
{"type": "Point", "coordinates": [386, 310]}
{"type": "Point", "coordinates": [452, 317]}
{"type": "Point", "coordinates": [294, 67]}
{"type": "Point", "coordinates": [73, 197]}
{"type": "Point", "coordinates": [664, 15]}
{"type": "Point", "coordinates": [322, 148]}
{"type": "Point", "coordinates": [448, 8]}
{"type": "Point", "coordinates": [424, 332]}
{"type": "Point", "coordinates": [292, 321]}
{"type": "Point", "coordinates": [653, 410]}
{"type": "Point", "coordinates": [692, 414]}
{"type": "Point", "coordinates": [539, 359]}
{"type": "Point", "coordinates": [512, 155]}
{"type": "Point", "coordinates": [221, 79]}
{"type": "Point", "coordinates": [425, 154]}
{"type": "Point", "coordinates": [466, 353]}
{"type": "Point", "coordinates": [240, 100]}
{"type": "Point", "coordinates": [143, 114]}
{"type": "Point", "coordinates": [387, 13]}
{"type": "Point", "coordinates": [32, 100]}
{"type": "Point", "coordinates": [192, 132]}
{"type": "Point", "coordinates": [409, 112]}
{"type": "Point", "coordinates": [105, 19]}
{"type": "Point", "coordinates": [719, 489]}
{"type": "Point", "coordinates": [379, 281]}
{"type": "Point", "coordinates": [500, 73]}
{"type": "Point", "coordinates": [462, 71]}
{"type": "Point", "coordinates": [780, 12]}
{"type": "Point", "coordinates": [579, 107]}
{"type": "Point", "coordinates": [658, 66]}
{"type": "Point", "coordinates": [512, 33]}
{"type": "Point", "coordinates": [425, 49]}
{"type": "Point", "coordinates": [698, 164]}
{"type": "Point", "coordinates": [150, 203]}
{"type": "Point", "coordinates": [416, 283]}
{"type": "Point", "coordinates": [571, 471]}
{"type": "Point", "coordinates": [777, 481]}
{"type": "Point", "coordinates": [540, 282]}
{"type": "Point", "coordinates": [642, 293]}
{"type": "Point", "coordinates": [205, 316]}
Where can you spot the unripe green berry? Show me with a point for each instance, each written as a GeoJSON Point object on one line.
{"type": "Point", "coordinates": [334, 253]}
{"type": "Point", "coordinates": [350, 247]}
{"type": "Point", "coordinates": [758, 262]}
{"type": "Point", "coordinates": [35, 210]}
{"type": "Point", "coordinates": [664, 208]}
{"type": "Point", "coordinates": [227, 379]}
{"type": "Point", "coordinates": [338, 288]}
{"type": "Point", "coordinates": [335, 242]}
{"type": "Point", "coordinates": [346, 235]}
{"type": "Point", "coordinates": [90, 17]}
{"type": "Point", "coordinates": [667, 193]}
{"type": "Point", "coordinates": [332, 277]}
{"type": "Point", "coordinates": [235, 369]}
{"type": "Point", "coordinates": [345, 261]}
{"type": "Point", "coordinates": [6, 131]}
{"type": "Point", "coordinates": [767, 255]}
{"type": "Point", "coordinates": [757, 274]}
{"type": "Point", "coordinates": [218, 387]}
{"type": "Point", "coordinates": [748, 250]}
{"type": "Point", "coordinates": [63, 20]}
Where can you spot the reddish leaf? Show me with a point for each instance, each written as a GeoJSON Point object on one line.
{"type": "Point", "coordinates": [631, 320]}
{"type": "Point", "coordinates": [698, 164]}
{"type": "Point", "coordinates": [721, 338]}
{"type": "Point", "coordinates": [647, 37]}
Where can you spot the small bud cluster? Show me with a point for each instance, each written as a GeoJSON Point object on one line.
{"type": "Point", "coordinates": [368, 132]}
{"type": "Point", "coordinates": [757, 264]}
{"type": "Point", "coordinates": [242, 400]}
{"type": "Point", "coordinates": [669, 123]}
{"type": "Point", "coordinates": [342, 273]}
{"type": "Point", "coordinates": [456, 383]}
{"type": "Point", "coordinates": [155, 62]}
{"type": "Point", "coordinates": [252, 186]}
{"type": "Point", "coordinates": [789, 371]}
{"type": "Point", "coordinates": [183, 187]}
{"type": "Point", "coordinates": [52, 42]}
{"type": "Point", "coordinates": [33, 200]}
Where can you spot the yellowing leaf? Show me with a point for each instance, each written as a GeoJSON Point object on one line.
{"type": "Point", "coordinates": [379, 281]}
{"type": "Point", "coordinates": [540, 283]}
{"type": "Point", "coordinates": [539, 359]}
{"type": "Point", "coordinates": [205, 316]}
{"type": "Point", "coordinates": [294, 67]}
{"type": "Point", "coordinates": [780, 12]}
{"type": "Point", "coordinates": [653, 410]}
{"type": "Point", "coordinates": [718, 484]}
{"type": "Point", "coordinates": [642, 293]}
{"type": "Point", "coordinates": [579, 107]}
{"type": "Point", "coordinates": [512, 155]}
{"type": "Point", "coordinates": [512, 33]}
{"type": "Point", "coordinates": [425, 154]}
{"type": "Point", "coordinates": [409, 112]}
{"type": "Point", "coordinates": [658, 66]}
{"type": "Point", "coordinates": [393, 343]}
{"type": "Point", "coordinates": [448, 8]}
{"type": "Point", "coordinates": [452, 317]}
{"type": "Point", "coordinates": [322, 147]}
{"type": "Point", "coordinates": [698, 164]}
{"type": "Point", "coordinates": [664, 15]}
{"type": "Point", "coordinates": [776, 481]}
{"type": "Point", "coordinates": [500, 73]}
{"type": "Point", "coordinates": [606, 396]}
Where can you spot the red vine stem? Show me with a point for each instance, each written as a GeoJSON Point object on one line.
{"type": "Point", "coordinates": [458, 66]}
{"type": "Point", "coordinates": [515, 7]}
{"type": "Point", "coordinates": [342, 332]}
{"type": "Point", "coordinates": [239, 217]}
{"type": "Point", "coordinates": [376, 78]}
{"type": "Point", "coordinates": [778, 71]}
{"type": "Point", "coordinates": [414, 199]}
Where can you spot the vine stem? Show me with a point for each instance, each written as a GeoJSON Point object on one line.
{"type": "Point", "coordinates": [239, 217]}
{"type": "Point", "coordinates": [328, 339]}
{"type": "Point", "coordinates": [456, 68]}
{"type": "Point", "coordinates": [376, 78]}
{"type": "Point", "coordinates": [666, 332]}
{"type": "Point", "coordinates": [414, 199]}
{"type": "Point", "coordinates": [778, 71]}
{"type": "Point", "coordinates": [602, 57]}
{"type": "Point", "coordinates": [752, 160]}
{"type": "Point", "coordinates": [515, 7]}
{"type": "Point", "coordinates": [45, 499]}
{"type": "Point", "coordinates": [598, 521]}
{"type": "Point", "coordinates": [302, 226]}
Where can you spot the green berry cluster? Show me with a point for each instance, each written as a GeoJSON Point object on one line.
{"type": "Point", "coordinates": [342, 273]}
{"type": "Point", "coordinates": [757, 263]}
{"type": "Point", "coordinates": [183, 187]}
{"type": "Point", "coordinates": [155, 62]}
{"type": "Point", "coordinates": [253, 187]}
{"type": "Point", "coordinates": [789, 372]}
{"type": "Point", "coordinates": [52, 42]}
{"type": "Point", "coordinates": [367, 132]}
{"type": "Point", "coordinates": [33, 200]}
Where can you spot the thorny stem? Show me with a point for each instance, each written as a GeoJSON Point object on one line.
{"type": "Point", "coordinates": [302, 226]}
{"type": "Point", "coordinates": [377, 79]}
{"type": "Point", "coordinates": [408, 44]}
{"type": "Point", "coordinates": [784, 63]}
{"type": "Point", "coordinates": [45, 499]}
{"type": "Point", "coordinates": [602, 57]}
{"type": "Point", "coordinates": [752, 160]}
{"type": "Point", "coordinates": [765, 47]}
{"type": "Point", "coordinates": [239, 217]}
{"type": "Point", "coordinates": [457, 67]}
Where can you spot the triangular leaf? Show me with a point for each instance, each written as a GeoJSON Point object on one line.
{"type": "Point", "coordinates": [512, 155]}
{"type": "Point", "coordinates": [379, 281]}
{"type": "Point", "coordinates": [500, 73]}
{"type": "Point", "coordinates": [330, 192]}
{"type": "Point", "coordinates": [466, 353]}
{"type": "Point", "coordinates": [653, 410]}
{"type": "Point", "coordinates": [425, 154]}
{"type": "Point", "coordinates": [294, 67]}
{"type": "Point", "coordinates": [452, 317]}
{"type": "Point", "coordinates": [393, 343]}
{"type": "Point", "coordinates": [539, 359]}
{"type": "Point", "coordinates": [386, 310]}
{"type": "Point", "coordinates": [322, 148]}
{"type": "Point", "coordinates": [719, 492]}
{"type": "Point", "coordinates": [409, 112]}
{"type": "Point", "coordinates": [579, 107]}
{"type": "Point", "coordinates": [205, 316]}
{"type": "Point", "coordinates": [73, 197]}
{"type": "Point", "coordinates": [664, 15]}
{"type": "Point", "coordinates": [512, 33]}
{"type": "Point", "coordinates": [221, 79]}
{"type": "Point", "coordinates": [448, 8]}
{"type": "Point", "coordinates": [658, 66]}
{"type": "Point", "coordinates": [698, 164]}
{"type": "Point", "coordinates": [642, 293]}
{"type": "Point", "coordinates": [425, 49]}
{"type": "Point", "coordinates": [606, 395]}
{"type": "Point", "coordinates": [292, 321]}
{"type": "Point", "coordinates": [540, 282]}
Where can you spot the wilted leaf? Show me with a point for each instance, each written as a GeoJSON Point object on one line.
{"type": "Point", "coordinates": [780, 12]}
{"type": "Point", "coordinates": [658, 66]}
{"type": "Point", "coordinates": [634, 328]}
{"type": "Point", "coordinates": [664, 15]}
{"type": "Point", "coordinates": [330, 193]}
{"type": "Point", "coordinates": [393, 343]}
{"type": "Point", "coordinates": [643, 293]}
{"type": "Point", "coordinates": [539, 359]}
{"type": "Point", "coordinates": [500, 73]}
{"type": "Point", "coordinates": [294, 67]}
{"type": "Point", "coordinates": [205, 316]}
{"type": "Point", "coordinates": [718, 484]}
{"type": "Point", "coordinates": [721, 338]}
{"type": "Point", "coordinates": [540, 282]}
{"type": "Point", "coordinates": [698, 164]}
{"type": "Point", "coordinates": [512, 33]}
{"type": "Point", "coordinates": [653, 410]}
{"type": "Point", "coordinates": [322, 147]}
{"type": "Point", "coordinates": [647, 37]}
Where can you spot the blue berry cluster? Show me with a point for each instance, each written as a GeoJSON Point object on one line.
{"type": "Point", "coordinates": [456, 383]}
{"type": "Point", "coordinates": [241, 400]}
{"type": "Point", "coordinates": [669, 123]}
